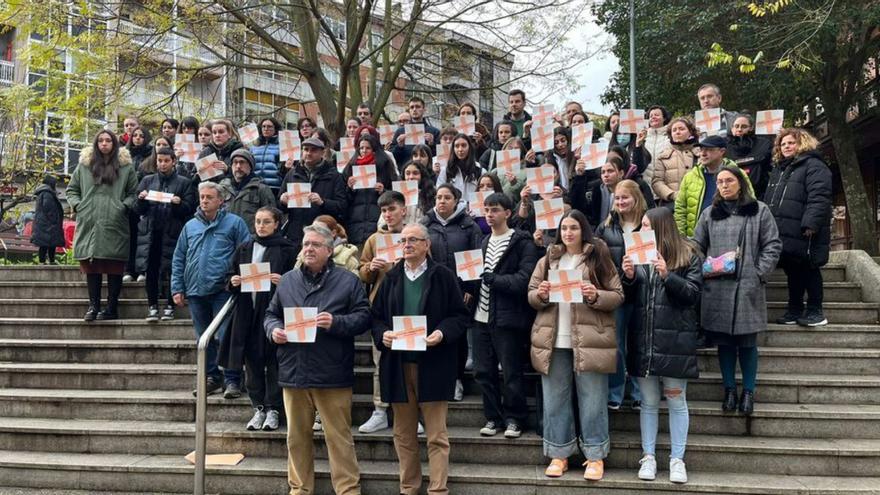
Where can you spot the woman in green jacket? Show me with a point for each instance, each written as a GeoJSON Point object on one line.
{"type": "Point", "coordinates": [101, 193]}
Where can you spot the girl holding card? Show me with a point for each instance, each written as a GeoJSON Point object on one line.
{"type": "Point", "coordinates": [417, 172]}
{"type": "Point", "coordinates": [363, 212]}
{"type": "Point", "coordinates": [625, 217]}
{"type": "Point", "coordinates": [462, 171]}
{"type": "Point", "coordinates": [662, 338]}
{"type": "Point", "coordinates": [245, 343]}
{"type": "Point", "coordinates": [573, 346]}
{"type": "Point", "coordinates": [525, 218]}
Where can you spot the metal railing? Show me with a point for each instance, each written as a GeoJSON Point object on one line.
{"type": "Point", "coordinates": [7, 72]}
{"type": "Point", "coordinates": [201, 393]}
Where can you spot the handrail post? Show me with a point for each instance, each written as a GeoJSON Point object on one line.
{"type": "Point", "coordinates": [201, 394]}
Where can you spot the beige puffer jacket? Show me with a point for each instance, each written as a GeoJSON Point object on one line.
{"type": "Point", "coordinates": [670, 168]}
{"type": "Point", "coordinates": [593, 337]}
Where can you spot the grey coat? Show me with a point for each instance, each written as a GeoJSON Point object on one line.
{"type": "Point", "coordinates": [738, 306]}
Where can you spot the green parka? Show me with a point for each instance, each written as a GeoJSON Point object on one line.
{"type": "Point", "coordinates": [102, 230]}
{"type": "Point", "coordinates": [690, 197]}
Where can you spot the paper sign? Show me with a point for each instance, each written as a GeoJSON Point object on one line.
{"type": "Point", "coordinates": [298, 194]}
{"type": "Point", "coordinates": [364, 176]}
{"type": "Point", "coordinates": [184, 138]}
{"type": "Point", "coordinates": [465, 124]}
{"type": "Point", "coordinates": [255, 277]}
{"type": "Point", "coordinates": [159, 196]}
{"type": "Point", "coordinates": [548, 213]}
{"type": "Point", "coordinates": [631, 121]}
{"type": "Point", "coordinates": [205, 167]}
{"type": "Point", "coordinates": [708, 121]}
{"type": "Point", "coordinates": [641, 247]}
{"type": "Point", "coordinates": [289, 146]}
{"type": "Point", "coordinates": [389, 247]}
{"type": "Point", "coordinates": [565, 286]}
{"type": "Point", "coordinates": [409, 189]}
{"type": "Point", "coordinates": [386, 134]}
{"type": "Point", "coordinates": [581, 136]}
{"type": "Point", "coordinates": [300, 325]}
{"type": "Point", "coordinates": [542, 115]}
{"type": "Point", "coordinates": [409, 333]}
{"type": "Point", "coordinates": [768, 122]}
{"type": "Point", "coordinates": [540, 179]}
{"type": "Point", "coordinates": [469, 264]}
{"type": "Point", "coordinates": [249, 133]}
{"type": "Point", "coordinates": [346, 144]}
{"type": "Point", "coordinates": [414, 134]}
{"type": "Point", "coordinates": [190, 151]}
{"type": "Point", "coordinates": [542, 137]}
{"type": "Point", "coordinates": [508, 160]}
{"type": "Point", "coordinates": [216, 459]}
{"type": "Point", "coordinates": [594, 155]}
{"type": "Point", "coordinates": [444, 151]}
{"type": "Point", "coordinates": [477, 203]}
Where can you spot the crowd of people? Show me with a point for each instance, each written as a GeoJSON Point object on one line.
{"type": "Point", "coordinates": [724, 209]}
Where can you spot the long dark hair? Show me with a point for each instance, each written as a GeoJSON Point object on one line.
{"type": "Point", "coordinates": [675, 248]}
{"type": "Point", "coordinates": [467, 167]}
{"type": "Point", "coordinates": [745, 192]}
{"type": "Point", "coordinates": [105, 170]}
{"type": "Point", "coordinates": [385, 171]}
{"type": "Point", "coordinates": [426, 186]}
{"type": "Point", "coordinates": [599, 258]}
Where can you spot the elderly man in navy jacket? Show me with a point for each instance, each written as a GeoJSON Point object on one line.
{"type": "Point", "coordinates": [319, 375]}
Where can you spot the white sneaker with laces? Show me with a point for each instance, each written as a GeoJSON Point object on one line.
{"type": "Point", "coordinates": [648, 468]}
{"type": "Point", "coordinates": [421, 429]}
{"type": "Point", "coordinates": [677, 471]}
{"type": "Point", "coordinates": [459, 391]}
{"type": "Point", "coordinates": [257, 421]}
{"type": "Point", "coordinates": [127, 278]}
{"type": "Point", "coordinates": [141, 278]}
{"type": "Point", "coordinates": [377, 422]}
{"type": "Point", "coordinates": [317, 426]}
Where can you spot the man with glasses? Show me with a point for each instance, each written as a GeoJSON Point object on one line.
{"type": "Point", "coordinates": [414, 381]}
{"type": "Point", "coordinates": [319, 375]}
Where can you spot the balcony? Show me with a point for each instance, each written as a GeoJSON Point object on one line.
{"type": "Point", "coordinates": [189, 53]}
{"type": "Point", "coordinates": [287, 88]}
{"type": "Point", "coordinates": [7, 73]}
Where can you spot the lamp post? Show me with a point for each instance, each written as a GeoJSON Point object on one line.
{"type": "Point", "coordinates": [632, 54]}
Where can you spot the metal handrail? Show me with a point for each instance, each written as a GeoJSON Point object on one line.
{"type": "Point", "coordinates": [201, 393]}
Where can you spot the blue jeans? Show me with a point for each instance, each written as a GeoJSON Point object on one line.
{"type": "Point", "coordinates": [676, 399]}
{"type": "Point", "coordinates": [203, 309]}
{"type": "Point", "coordinates": [617, 382]}
{"type": "Point", "coordinates": [560, 441]}
{"type": "Point", "coordinates": [748, 363]}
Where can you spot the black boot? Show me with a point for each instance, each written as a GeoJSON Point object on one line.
{"type": "Point", "coordinates": [729, 403]}
{"type": "Point", "coordinates": [93, 281]}
{"type": "Point", "coordinates": [747, 402]}
{"type": "Point", "coordinates": [114, 285]}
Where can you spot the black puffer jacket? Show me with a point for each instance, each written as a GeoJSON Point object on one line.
{"type": "Point", "coordinates": [509, 283]}
{"type": "Point", "coordinates": [48, 228]}
{"type": "Point", "coordinates": [460, 233]}
{"type": "Point", "coordinates": [167, 218]}
{"type": "Point", "coordinates": [613, 237]}
{"type": "Point", "coordinates": [328, 184]}
{"type": "Point", "coordinates": [799, 196]}
{"type": "Point", "coordinates": [753, 154]}
{"type": "Point", "coordinates": [363, 209]}
{"type": "Point", "coordinates": [223, 153]}
{"type": "Point", "coordinates": [662, 337]}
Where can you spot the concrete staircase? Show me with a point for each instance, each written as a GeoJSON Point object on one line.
{"type": "Point", "coordinates": [106, 407]}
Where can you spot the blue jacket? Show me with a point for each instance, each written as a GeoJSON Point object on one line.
{"type": "Point", "coordinates": [267, 157]}
{"type": "Point", "coordinates": [329, 361]}
{"type": "Point", "coordinates": [203, 253]}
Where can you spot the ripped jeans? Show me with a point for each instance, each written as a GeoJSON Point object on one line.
{"type": "Point", "coordinates": [674, 389]}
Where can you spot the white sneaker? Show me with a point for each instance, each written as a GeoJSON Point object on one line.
{"type": "Point", "coordinates": [648, 469]}
{"type": "Point", "coordinates": [141, 278]}
{"type": "Point", "coordinates": [677, 472]}
{"type": "Point", "coordinates": [377, 422]}
{"type": "Point", "coordinates": [421, 429]}
{"type": "Point", "coordinates": [317, 426]}
{"type": "Point", "coordinates": [459, 391]}
{"type": "Point", "coordinates": [257, 421]}
{"type": "Point", "coordinates": [127, 278]}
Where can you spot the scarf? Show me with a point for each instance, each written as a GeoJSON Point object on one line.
{"type": "Point", "coordinates": [272, 240]}
{"type": "Point", "coordinates": [368, 159]}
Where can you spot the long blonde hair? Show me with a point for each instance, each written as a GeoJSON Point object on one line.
{"type": "Point", "coordinates": [638, 209]}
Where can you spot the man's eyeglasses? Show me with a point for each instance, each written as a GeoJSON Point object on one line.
{"type": "Point", "coordinates": [411, 240]}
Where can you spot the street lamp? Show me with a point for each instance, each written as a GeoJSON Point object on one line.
{"type": "Point", "coordinates": [632, 54]}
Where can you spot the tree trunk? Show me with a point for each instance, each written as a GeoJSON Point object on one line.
{"type": "Point", "coordinates": [858, 208]}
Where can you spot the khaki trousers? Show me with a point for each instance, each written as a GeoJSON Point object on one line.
{"type": "Point", "coordinates": [334, 406]}
{"type": "Point", "coordinates": [406, 441]}
{"type": "Point", "coordinates": [377, 388]}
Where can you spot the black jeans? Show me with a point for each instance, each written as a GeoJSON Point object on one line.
{"type": "Point", "coordinates": [261, 373]}
{"type": "Point", "coordinates": [802, 277]}
{"type": "Point", "coordinates": [508, 346]}
{"type": "Point", "coordinates": [131, 263]}
{"type": "Point", "coordinates": [45, 252]}
{"type": "Point", "coordinates": [157, 280]}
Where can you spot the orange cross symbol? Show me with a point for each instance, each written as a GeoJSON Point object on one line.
{"type": "Point", "coordinates": [289, 145]}
{"type": "Point", "coordinates": [254, 280]}
{"type": "Point", "coordinates": [708, 120]}
{"type": "Point", "coordinates": [409, 189]}
{"type": "Point", "coordinates": [581, 135]}
{"type": "Point", "coordinates": [386, 134]}
{"type": "Point", "coordinates": [388, 247]}
{"type": "Point", "coordinates": [540, 179]}
{"type": "Point", "coordinates": [190, 150]}
{"type": "Point", "coordinates": [414, 134]}
{"type": "Point", "coordinates": [508, 160]}
{"type": "Point", "coordinates": [543, 114]}
{"type": "Point", "coordinates": [643, 247]}
{"type": "Point", "coordinates": [630, 120]}
{"type": "Point", "coordinates": [768, 122]}
{"type": "Point", "coordinates": [469, 264]}
{"type": "Point", "coordinates": [466, 124]}
{"type": "Point", "coordinates": [443, 152]}
{"type": "Point", "coordinates": [300, 325]}
{"type": "Point", "coordinates": [542, 137]}
{"type": "Point", "coordinates": [549, 216]}
{"type": "Point", "coordinates": [298, 194]}
{"type": "Point", "coordinates": [596, 155]}
{"type": "Point", "coordinates": [409, 333]}
{"type": "Point", "coordinates": [565, 289]}
{"type": "Point", "coordinates": [249, 133]}
{"type": "Point", "coordinates": [364, 176]}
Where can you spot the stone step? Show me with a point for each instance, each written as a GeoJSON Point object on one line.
{"type": "Point", "coordinates": [707, 452]}
{"type": "Point", "coordinates": [76, 328]}
{"type": "Point", "coordinates": [832, 272]}
{"type": "Point", "coordinates": [828, 336]}
{"type": "Point", "coordinates": [73, 308]}
{"type": "Point", "coordinates": [268, 476]}
{"type": "Point", "coordinates": [98, 376]}
{"type": "Point", "coordinates": [769, 419]}
{"type": "Point", "coordinates": [833, 292]}
{"type": "Point", "coordinates": [805, 360]}
{"type": "Point", "coordinates": [43, 491]}
{"type": "Point", "coordinates": [132, 352]}
{"type": "Point", "coordinates": [41, 273]}
{"type": "Point", "coordinates": [63, 290]}
{"type": "Point", "coordinates": [860, 313]}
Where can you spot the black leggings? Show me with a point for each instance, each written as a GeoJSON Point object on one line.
{"type": "Point", "coordinates": [45, 252]}
{"type": "Point", "coordinates": [158, 281]}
